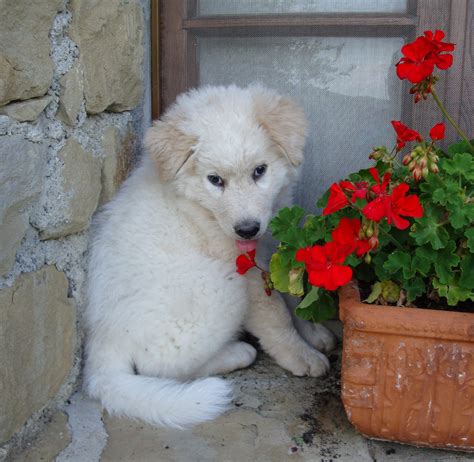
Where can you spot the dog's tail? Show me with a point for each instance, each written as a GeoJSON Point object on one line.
{"type": "Point", "coordinates": [161, 402]}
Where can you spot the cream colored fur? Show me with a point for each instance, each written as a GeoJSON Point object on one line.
{"type": "Point", "coordinates": [166, 305]}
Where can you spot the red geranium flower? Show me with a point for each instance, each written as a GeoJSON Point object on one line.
{"type": "Point", "coordinates": [324, 264]}
{"type": "Point", "coordinates": [380, 187]}
{"type": "Point", "coordinates": [442, 61]}
{"type": "Point", "coordinates": [356, 190]}
{"type": "Point", "coordinates": [346, 234]}
{"type": "Point", "coordinates": [404, 134]}
{"type": "Point", "coordinates": [414, 65]}
{"type": "Point", "coordinates": [245, 261]}
{"type": "Point", "coordinates": [337, 200]}
{"type": "Point", "coordinates": [393, 206]}
{"type": "Point", "coordinates": [437, 131]}
{"type": "Point", "coordinates": [421, 55]}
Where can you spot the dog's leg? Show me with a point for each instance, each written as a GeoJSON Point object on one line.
{"type": "Point", "coordinates": [235, 355]}
{"type": "Point", "coordinates": [316, 334]}
{"type": "Point", "coordinates": [270, 321]}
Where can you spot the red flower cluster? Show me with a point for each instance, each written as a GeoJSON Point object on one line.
{"type": "Point", "coordinates": [347, 235]}
{"type": "Point", "coordinates": [392, 206]}
{"type": "Point", "coordinates": [384, 204]}
{"type": "Point", "coordinates": [421, 56]}
{"type": "Point", "coordinates": [404, 134]}
{"type": "Point", "coordinates": [245, 261]}
{"type": "Point", "coordinates": [325, 265]}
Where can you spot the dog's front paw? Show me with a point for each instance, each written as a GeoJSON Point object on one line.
{"type": "Point", "coordinates": [304, 360]}
{"type": "Point", "coordinates": [317, 335]}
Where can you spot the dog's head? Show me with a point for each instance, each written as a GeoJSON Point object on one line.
{"type": "Point", "coordinates": [234, 151]}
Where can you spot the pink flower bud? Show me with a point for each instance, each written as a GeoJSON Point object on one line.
{"type": "Point", "coordinates": [373, 242]}
{"type": "Point", "coordinates": [422, 162]}
{"type": "Point", "coordinates": [417, 174]}
{"type": "Point", "coordinates": [434, 168]}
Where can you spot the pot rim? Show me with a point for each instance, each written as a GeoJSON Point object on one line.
{"type": "Point", "coordinates": [421, 322]}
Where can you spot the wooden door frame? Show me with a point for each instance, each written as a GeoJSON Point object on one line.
{"type": "Point", "coordinates": [175, 30]}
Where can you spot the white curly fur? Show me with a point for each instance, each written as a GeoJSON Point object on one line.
{"type": "Point", "coordinates": [165, 302]}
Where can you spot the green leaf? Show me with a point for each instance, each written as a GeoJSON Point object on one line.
{"type": "Point", "coordinates": [445, 259]}
{"type": "Point", "coordinates": [399, 261]}
{"type": "Point", "coordinates": [279, 273]}
{"type": "Point", "coordinates": [459, 147]}
{"type": "Point", "coordinates": [461, 164]}
{"type": "Point", "coordinates": [453, 292]}
{"type": "Point", "coordinates": [449, 192]}
{"type": "Point", "coordinates": [460, 213]}
{"type": "Point", "coordinates": [321, 309]}
{"type": "Point", "coordinates": [470, 238]}
{"type": "Point", "coordinates": [378, 263]}
{"type": "Point", "coordinates": [414, 288]}
{"type": "Point", "coordinates": [295, 286]}
{"type": "Point", "coordinates": [310, 298]}
{"type": "Point", "coordinates": [376, 292]}
{"type": "Point", "coordinates": [314, 230]}
{"type": "Point", "coordinates": [429, 229]}
{"type": "Point", "coordinates": [467, 272]}
{"type": "Point", "coordinates": [285, 227]}
{"type": "Point", "coordinates": [422, 260]}
{"type": "Point", "coordinates": [440, 190]}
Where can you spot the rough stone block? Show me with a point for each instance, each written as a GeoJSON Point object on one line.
{"type": "Point", "coordinates": [26, 111]}
{"type": "Point", "coordinates": [37, 343]}
{"type": "Point", "coordinates": [110, 39]}
{"type": "Point", "coordinates": [72, 94]}
{"type": "Point", "coordinates": [26, 69]}
{"type": "Point", "coordinates": [117, 162]}
{"type": "Point", "coordinates": [81, 185]}
{"type": "Point", "coordinates": [21, 175]}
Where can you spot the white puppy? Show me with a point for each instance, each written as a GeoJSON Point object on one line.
{"type": "Point", "coordinates": [165, 302]}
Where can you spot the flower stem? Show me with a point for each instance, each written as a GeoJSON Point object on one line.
{"type": "Point", "coordinates": [392, 239]}
{"type": "Point", "coordinates": [450, 119]}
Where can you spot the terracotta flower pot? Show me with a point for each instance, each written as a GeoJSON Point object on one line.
{"type": "Point", "coordinates": [407, 373]}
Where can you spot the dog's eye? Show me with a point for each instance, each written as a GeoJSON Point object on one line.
{"type": "Point", "coordinates": [259, 171]}
{"type": "Point", "coordinates": [216, 180]}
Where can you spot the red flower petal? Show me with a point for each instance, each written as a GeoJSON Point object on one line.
{"type": "Point", "coordinates": [444, 61]}
{"type": "Point", "coordinates": [437, 132]}
{"type": "Point", "coordinates": [245, 261]}
{"type": "Point", "coordinates": [408, 206]}
{"type": "Point", "coordinates": [404, 134]}
{"type": "Point", "coordinates": [375, 173]}
{"type": "Point", "coordinates": [324, 267]}
{"type": "Point", "coordinates": [337, 200]}
{"type": "Point", "coordinates": [346, 235]}
{"type": "Point", "coordinates": [376, 209]}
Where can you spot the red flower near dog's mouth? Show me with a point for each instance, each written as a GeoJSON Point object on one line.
{"type": "Point", "coordinates": [245, 261]}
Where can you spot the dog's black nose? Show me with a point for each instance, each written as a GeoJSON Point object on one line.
{"type": "Point", "coordinates": [247, 229]}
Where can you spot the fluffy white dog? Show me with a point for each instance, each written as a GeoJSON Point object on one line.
{"type": "Point", "coordinates": [165, 302]}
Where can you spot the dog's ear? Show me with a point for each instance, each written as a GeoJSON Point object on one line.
{"type": "Point", "coordinates": [284, 121]}
{"type": "Point", "coordinates": [169, 147]}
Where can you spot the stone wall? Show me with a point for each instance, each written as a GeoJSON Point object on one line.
{"type": "Point", "coordinates": [72, 112]}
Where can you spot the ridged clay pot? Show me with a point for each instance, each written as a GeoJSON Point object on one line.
{"type": "Point", "coordinates": [408, 373]}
